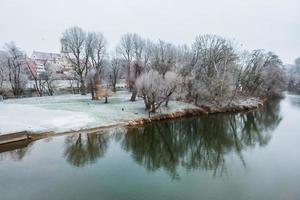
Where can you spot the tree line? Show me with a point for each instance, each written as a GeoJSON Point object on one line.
{"type": "Point", "coordinates": [211, 69]}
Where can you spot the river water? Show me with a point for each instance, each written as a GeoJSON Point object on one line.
{"type": "Point", "coordinates": [254, 155]}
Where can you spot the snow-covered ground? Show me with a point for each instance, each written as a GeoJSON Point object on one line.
{"type": "Point", "coordinates": [72, 112]}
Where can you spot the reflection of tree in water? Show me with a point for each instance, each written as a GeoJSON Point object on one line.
{"type": "Point", "coordinates": [258, 125]}
{"type": "Point", "coordinates": [202, 142]}
{"type": "Point", "coordinates": [82, 149]}
{"type": "Point", "coordinates": [16, 151]}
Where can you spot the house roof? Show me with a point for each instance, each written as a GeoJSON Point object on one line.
{"type": "Point", "coordinates": [38, 55]}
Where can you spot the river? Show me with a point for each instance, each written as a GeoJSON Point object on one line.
{"type": "Point", "coordinates": [253, 155]}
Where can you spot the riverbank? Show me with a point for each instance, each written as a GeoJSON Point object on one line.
{"type": "Point", "coordinates": [46, 116]}
{"type": "Point", "coordinates": [239, 105]}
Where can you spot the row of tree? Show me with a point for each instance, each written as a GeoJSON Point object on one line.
{"type": "Point", "coordinates": [212, 69]}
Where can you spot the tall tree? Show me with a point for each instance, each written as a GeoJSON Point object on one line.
{"type": "Point", "coordinates": [263, 74]}
{"type": "Point", "coordinates": [125, 49]}
{"type": "Point", "coordinates": [97, 49]}
{"type": "Point", "coordinates": [77, 49]}
{"type": "Point", "coordinates": [163, 57]}
{"type": "Point", "coordinates": [115, 72]}
{"type": "Point", "coordinates": [214, 58]}
{"type": "Point", "coordinates": [134, 50]}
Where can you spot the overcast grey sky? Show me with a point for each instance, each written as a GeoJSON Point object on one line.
{"type": "Point", "coordinates": [269, 24]}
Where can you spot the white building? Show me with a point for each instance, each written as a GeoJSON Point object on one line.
{"type": "Point", "coordinates": [41, 58]}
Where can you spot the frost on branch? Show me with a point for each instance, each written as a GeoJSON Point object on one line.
{"type": "Point", "coordinates": [156, 89]}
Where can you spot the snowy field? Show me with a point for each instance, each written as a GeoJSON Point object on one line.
{"type": "Point", "coordinates": [72, 112]}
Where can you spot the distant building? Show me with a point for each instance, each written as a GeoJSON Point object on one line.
{"type": "Point", "coordinates": [43, 57]}
{"type": "Point", "coordinates": [55, 60]}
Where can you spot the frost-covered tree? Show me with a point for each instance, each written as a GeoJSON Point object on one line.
{"type": "Point", "coordinates": [126, 50]}
{"type": "Point", "coordinates": [136, 52]}
{"type": "Point", "coordinates": [73, 81]}
{"type": "Point", "coordinates": [147, 54]}
{"type": "Point", "coordinates": [163, 57]}
{"type": "Point", "coordinates": [98, 55]}
{"type": "Point", "coordinates": [76, 46]}
{"type": "Point", "coordinates": [184, 57]}
{"type": "Point", "coordinates": [14, 62]}
{"type": "Point", "coordinates": [137, 65]}
{"type": "Point", "coordinates": [44, 82]}
{"type": "Point", "coordinates": [39, 83]}
{"type": "Point", "coordinates": [214, 59]}
{"type": "Point", "coordinates": [263, 74]}
{"type": "Point", "coordinates": [50, 77]}
{"type": "Point", "coordinates": [114, 72]}
{"type": "Point", "coordinates": [156, 89]}
{"type": "Point", "coordinates": [97, 48]}
{"type": "Point", "coordinates": [171, 82]}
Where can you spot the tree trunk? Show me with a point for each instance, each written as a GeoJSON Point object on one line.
{"type": "Point", "coordinates": [167, 102]}
{"type": "Point", "coordinates": [82, 87]}
{"type": "Point", "coordinates": [196, 99]}
{"type": "Point", "coordinates": [93, 91]}
{"type": "Point", "coordinates": [133, 96]}
{"type": "Point", "coordinates": [153, 109]}
{"type": "Point", "coordinates": [106, 100]}
{"type": "Point", "coordinates": [146, 102]}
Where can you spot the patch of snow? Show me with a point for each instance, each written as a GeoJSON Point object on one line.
{"type": "Point", "coordinates": [17, 117]}
{"type": "Point", "coordinates": [73, 112]}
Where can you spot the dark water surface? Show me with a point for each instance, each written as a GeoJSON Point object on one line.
{"type": "Point", "coordinates": [228, 156]}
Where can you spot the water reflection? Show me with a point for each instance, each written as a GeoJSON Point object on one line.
{"type": "Point", "coordinates": [192, 143]}
{"type": "Point", "coordinates": [202, 142]}
{"type": "Point", "coordinates": [83, 149]}
{"type": "Point", "coordinates": [16, 151]}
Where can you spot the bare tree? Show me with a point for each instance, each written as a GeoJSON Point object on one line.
{"type": "Point", "coordinates": [263, 74]}
{"type": "Point", "coordinates": [114, 72]}
{"type": "Point", "coordinates": [147, 54]}
{"type": "Point", "coordinates": [126, 50]}
{"type": "Point", "coordinates": [163, 57]}
{"type": "Point", "coordinates": [135, 50]}
{"type": "Point", "coordinates": [97, 49]}
{"type": "Point", "coordinates": [184, 57]}
{"type": "Point", "coordinates": [50, 77]}
{"type": "Point", "coordinates": [39, 83]}
{"type": "Point", "coordinates": [17, 74]}
{"type": "Point", "coordinates": [73, 82]}
{"type": "Point", "coordinates": [213, 61]}
{"type": "Point", "coordinates": [139, 56]}
{"type": "Point", "coordinates": [77, 48]}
